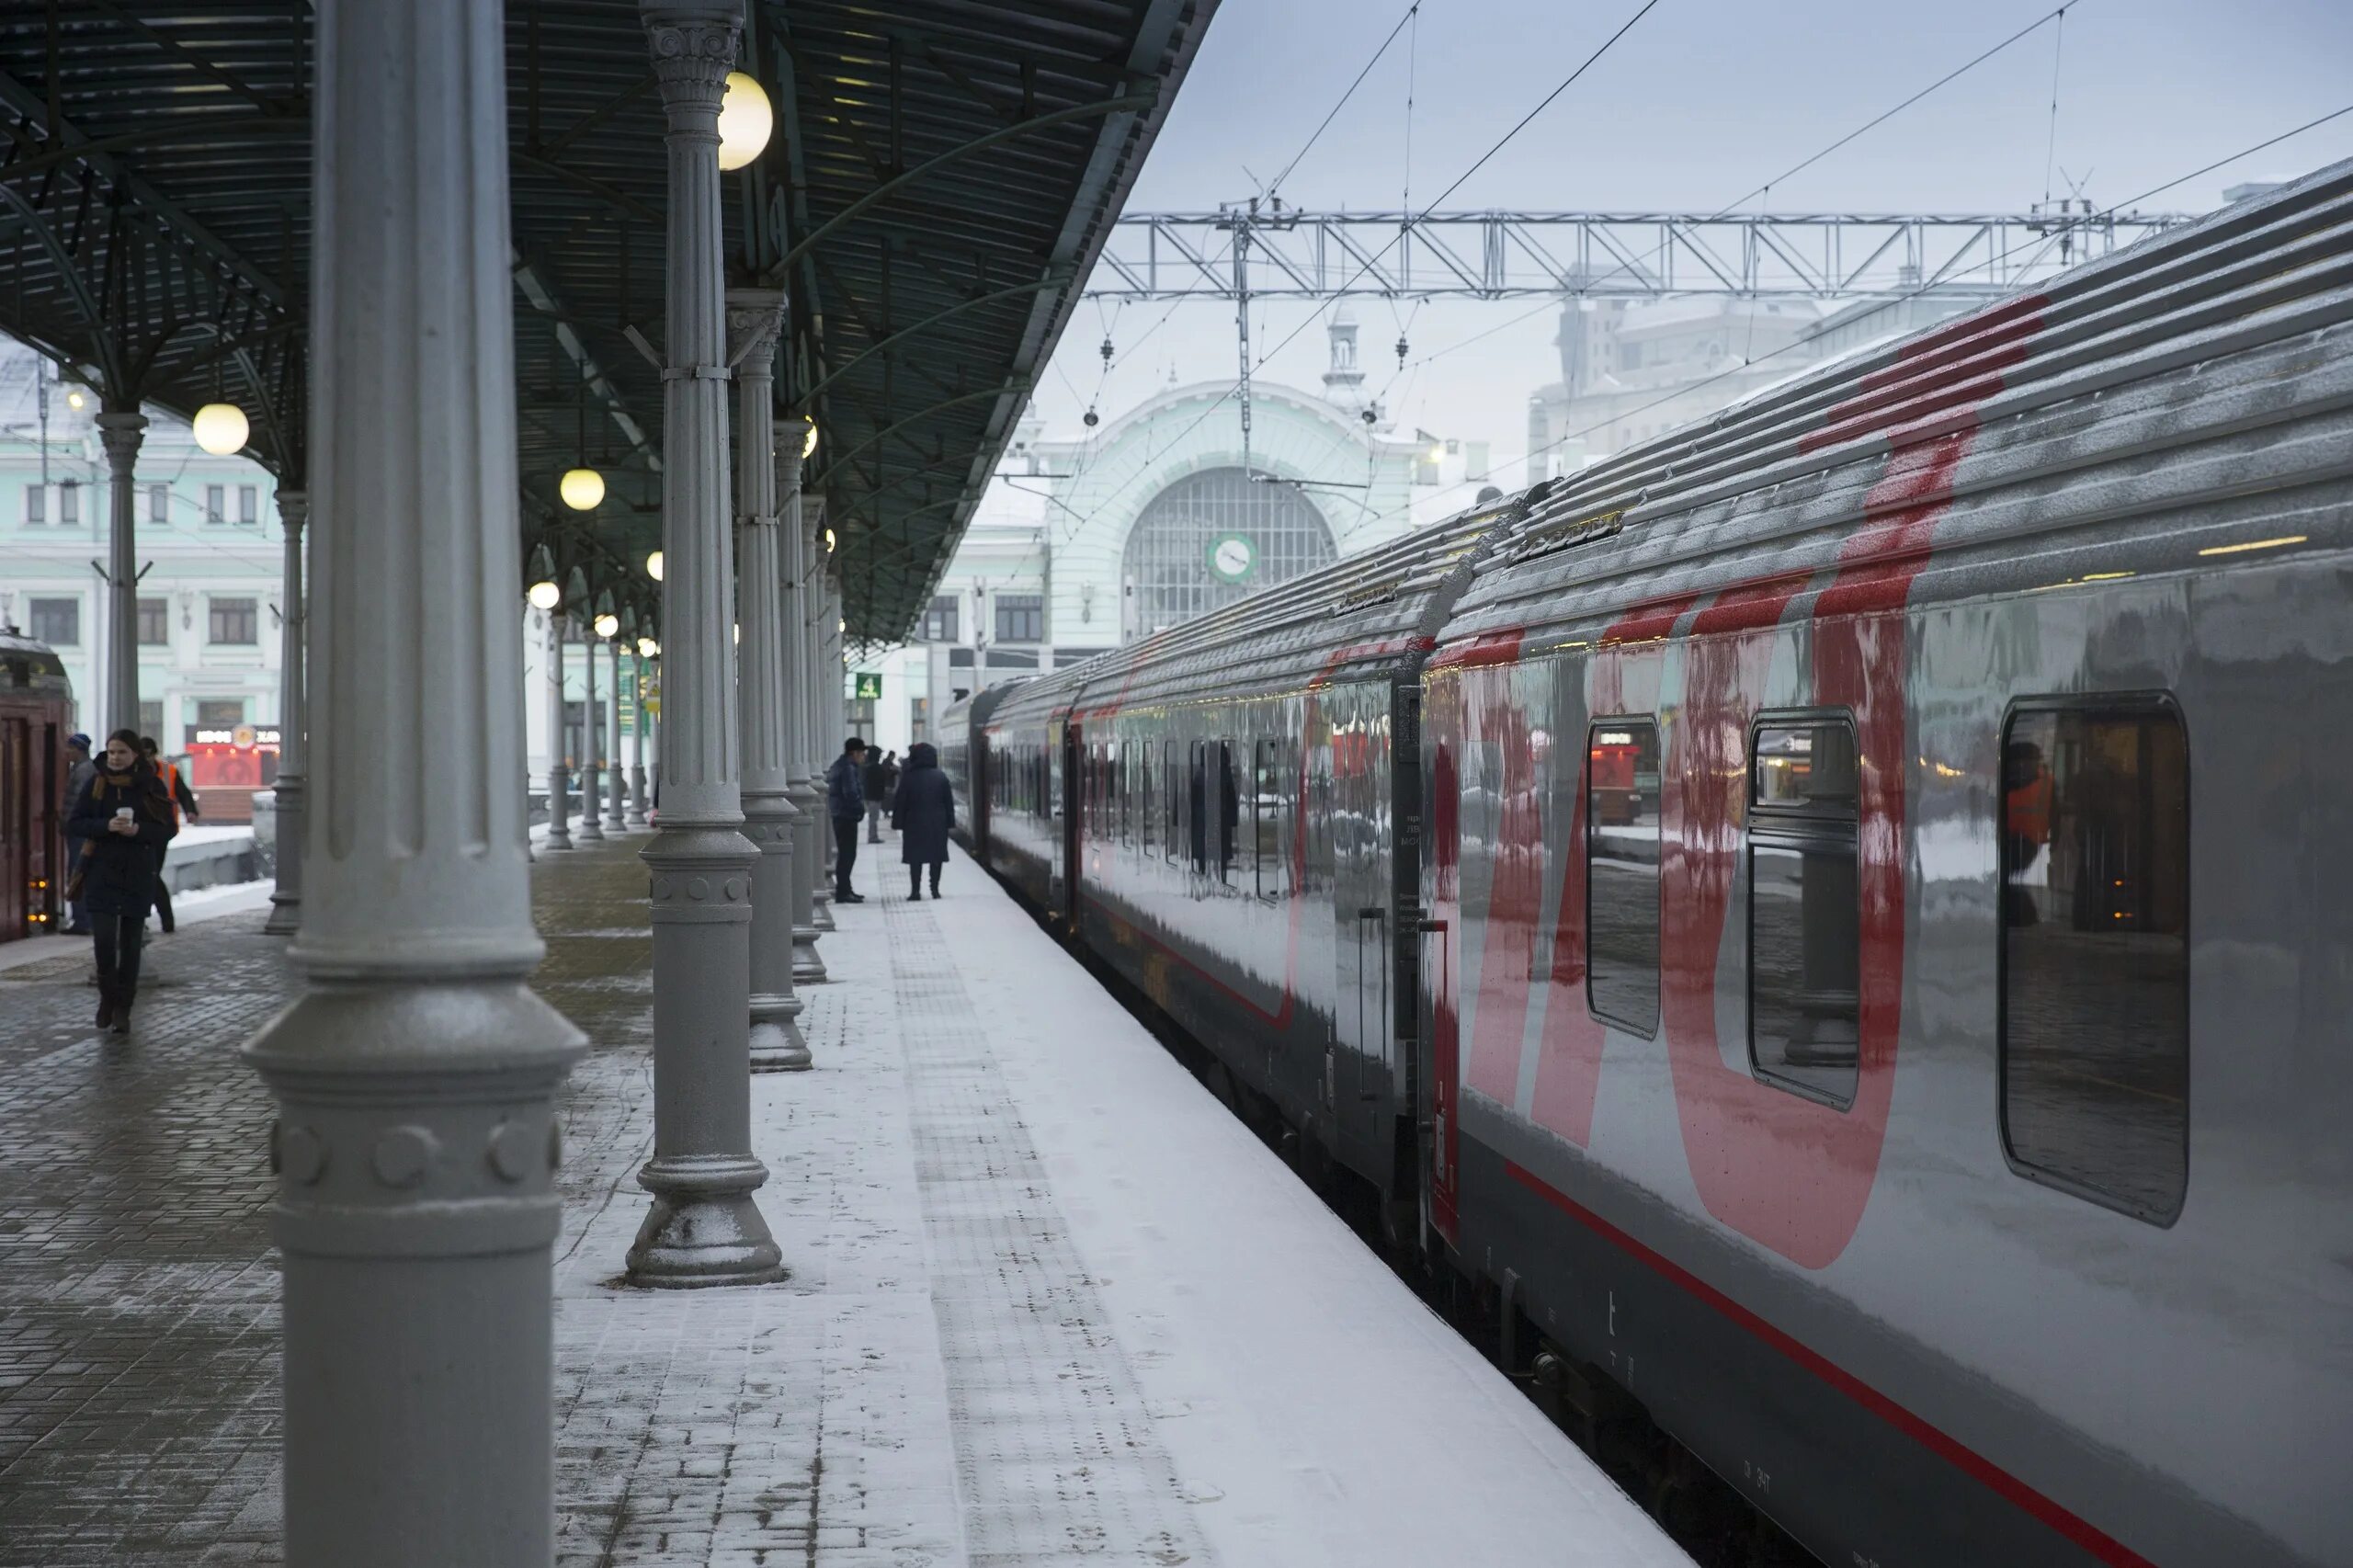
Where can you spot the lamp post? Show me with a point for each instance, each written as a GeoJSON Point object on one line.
{"type": "Point", "coordinates": [823, 740]}
{"type": "Point", "coordinates": [703, 1228]}
{"type": "Point", "coordinates": [416, 1142]}
{"type": "Point", "coordinates": [286, 898]}
{"type": "Point", "coordinates": [121, 430]}
{"type": "Point", "coordinates": [763, 683]}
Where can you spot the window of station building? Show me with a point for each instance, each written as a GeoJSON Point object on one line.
{"type": "Point", "coordinates": [69, 504]}
{"type": "Point", "coordinates": [1021, 618]}
{"type": "Point", "coordinates": [2095, 951]}
{"type": "Point", "coordinates": [57, 622]}
{"type": "Point", "coordinates": [214, 498]}
{"type": "Point", "coordinates": [941, 621]}
{"type": "Point", "coordinates": [1804, 905]}
{"type": "Point", "coordinates": [248, 503]}
{"type": "Point", "coordinates": [1210, 539]}
{"type": "Point", "coordinates": [1621, 846]}
{"type": "Point", "coordinates": [36, 504]}
{"type": "Point", "coordinates": [151, 718]}
{"type": "Point", "coordinates": [234, 623]}
{"type": "Point", "coordinates": [155, 623]}
{"type": "Point", "coordinates": [159, 503]}
{"type": "Point", "coordinates": [221, 713]}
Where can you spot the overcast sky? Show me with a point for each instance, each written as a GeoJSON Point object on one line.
{"type": "Point", "coordinates": [1703, 101]}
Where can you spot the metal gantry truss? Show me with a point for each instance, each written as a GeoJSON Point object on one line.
{"type": "Point", "coordinates": [1256, 251]}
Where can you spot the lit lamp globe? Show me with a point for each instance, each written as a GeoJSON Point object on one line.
{"type": "Point", "coordinates": [74, 398]}
{"type": "Point", "coordinates": [744, 121]}
{"type": "Point", "coordinates": [653, 565]}
{"type": "Point", "coordinates": [809, 442]}
{"type": "Point", "coordinates": [581, 488]}
{"type": "Point", "coordinates": [647, 647]}
{"type": "Point", "coordinates": [221, 428]}
{"type": "Point", "coordinates": [544, 596]}
{"type": "Point", "coordinates": [607, 623]}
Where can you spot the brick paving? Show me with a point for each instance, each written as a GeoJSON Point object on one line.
{"type": "Point", "coordinates": [806, 1422]}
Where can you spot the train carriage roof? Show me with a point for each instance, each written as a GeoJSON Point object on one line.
{"type": "Point", "coordinates": [1364, 615]}
{"type": "Point", "coordinates": [2057, 380]}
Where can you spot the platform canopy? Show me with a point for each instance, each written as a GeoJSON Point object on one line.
{"type": "Point", "coordinates": [941, 176]}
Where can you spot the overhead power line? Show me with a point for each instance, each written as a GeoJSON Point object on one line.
{"type": "Point", "coordinates": [1276, 185]}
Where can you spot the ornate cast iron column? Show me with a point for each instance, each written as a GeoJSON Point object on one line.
{"type": "Point", "coordinates": [637, 743]}
{"type": "Point", "coordinates": [617, 791]}
{"type": "Point", "coordinates": [824, 741]}
{"type": "Point", "coordinates": [286, 900]}
{"type": "Point", "coordinates": [591, 761]}
{"type": "Point", "coordinates": [559, 776]}
{"type": "Point", "coordinates": [415, 1144]}
{"type": "Point", "coordinates": [703, 1228]}
{"type": "Point", "coordinates": [808, 968]}
{"type": "Point", "coordinates": [764, 678]}
{"type": "Point", "coordinates": [121, 431]}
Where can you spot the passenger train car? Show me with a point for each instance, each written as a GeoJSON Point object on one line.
{"type": "Point", "coordinates": [1746, 904]}
{"type": "Point", "coordinates": [36, 715]}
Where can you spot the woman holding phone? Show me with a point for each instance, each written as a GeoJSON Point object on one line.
{"type": "Point", "coordinates": [126, 819]}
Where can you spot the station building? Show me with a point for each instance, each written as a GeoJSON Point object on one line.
{"type": "Point", "coordinates": [1156, 516]}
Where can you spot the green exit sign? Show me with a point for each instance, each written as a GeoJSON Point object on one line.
{"type": "Point", "coordinates": [869, 687]}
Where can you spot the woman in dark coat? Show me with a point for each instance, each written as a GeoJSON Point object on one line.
{"type": "Point", "coordinates": [125, 819]}
{"type": "Point", "coordinates": [923, 811]}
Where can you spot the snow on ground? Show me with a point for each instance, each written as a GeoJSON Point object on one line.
{"type": "Point", "coordinates": [1321, 1414]}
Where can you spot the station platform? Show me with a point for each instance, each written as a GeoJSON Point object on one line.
{"type": "Point", "coordinates": [1048, 1303]}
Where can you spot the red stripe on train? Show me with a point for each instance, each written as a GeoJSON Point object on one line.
{"type": "Point", "coordinates": [2100, 1544]}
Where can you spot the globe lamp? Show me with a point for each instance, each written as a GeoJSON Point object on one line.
{"type": "Point", "coordinates": [653, 565]}
{"type": "Point", "coordinates": [744, 121]}
{"type": "Point", "coordinates": [809, 442]}
{"type": "Point", "coordinates": [607, 623]}
{"type": "Point", "coordinates": [221, 428]}
{"type": "Point", "coordinates": [544, 596]}
{"type": "Point", "coordinates": [581, 488]}
{"type": "Point", "coordinates": [648, 648]}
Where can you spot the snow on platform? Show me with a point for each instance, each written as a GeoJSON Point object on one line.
{"type": "Point", "coordinates": [1151, 1342]}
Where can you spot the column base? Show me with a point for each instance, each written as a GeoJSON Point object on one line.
{"type": "Point", "coordinates": [703, 1229]}
{"type": "Point", "coordinates": [285, 914]}
{"type": "Point", "coordinates": [808, 968]}
{"type": "Point", "coordinates": [821, 912]}
{"type": "Point", "coordinates": [777, 1044]}
{"type": "Point", "coordinates": [591, 831]}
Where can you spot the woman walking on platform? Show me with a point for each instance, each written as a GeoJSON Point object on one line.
{"type": "Point", "coordinates": [125, 818]}
{"type": "Point", "coordinates": [924, 811]}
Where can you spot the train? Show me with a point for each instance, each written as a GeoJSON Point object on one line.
{"type": "Point", "coordinates": [1743, 907]}
{"type": "Point", "coordinates": [36, 716]}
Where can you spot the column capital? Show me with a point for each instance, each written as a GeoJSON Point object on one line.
{"type": "Point", "coordinates": [694, 48]}
{"type": "Point", "coordinates": [120, 433]}
{"type": "Point", "coordinates": [755, 324]}
{"type": "Point", "coordinates": [293, 509]}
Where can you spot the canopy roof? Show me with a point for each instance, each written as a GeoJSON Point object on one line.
{"type": "Point", "coordinates": [942, 175]}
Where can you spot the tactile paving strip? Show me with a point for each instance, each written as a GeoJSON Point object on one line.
{"type": "Point", "coordinates": [1055, 1452]}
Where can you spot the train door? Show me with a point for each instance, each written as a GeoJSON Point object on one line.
{"type": "Point", "coordinates": [1063, 774]}
{"type": "Point", "coordinates": [1358, 1076]}
{"type": "Point", "coordinates": [19, 854]}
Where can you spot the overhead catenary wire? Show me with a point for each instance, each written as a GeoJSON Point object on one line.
{"type": "Point", "coordinates": [2106, 213]}
{"type": "Point", "coordinates": [1411, 12]}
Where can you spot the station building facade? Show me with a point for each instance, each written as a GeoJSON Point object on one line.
{"type": "Point", "coordinates": [1154, 517]}
{"type": "Point", "coordinates": [208, 602]}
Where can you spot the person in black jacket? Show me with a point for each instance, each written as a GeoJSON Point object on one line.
{"type": "Point", "coordinates": [175, 790]}
{"type": "Point", "coordinates": [124, 819]}
{"type": "Point", "coordinates": [924, 811]}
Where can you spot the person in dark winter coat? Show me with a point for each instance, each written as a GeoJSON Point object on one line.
{"type": "Point", "coordinates": [177, 791]}
{"type": "Point", "coordinates": [123, 818]}
{"type": "Point", "coordinates": [845, 803]}
{"type": "Point", "coordinates": [881, 777]}
{"type": "Point", "coordinates": [923, 813]}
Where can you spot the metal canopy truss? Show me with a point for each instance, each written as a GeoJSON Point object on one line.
{"type": "Point", "coordinates": [941, 176]}
{"type": "Point", "coordinates": [1277, 252]}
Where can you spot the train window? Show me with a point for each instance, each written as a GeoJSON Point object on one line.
{"type": "Point", "coordinates": [1622, 843]}
{"type": "Point", "coordinates": [2095, 951]}
{"type": "Point", "coordinates": [1804, 906]}
{"type": "Point", "coordinates": [1168, 784]}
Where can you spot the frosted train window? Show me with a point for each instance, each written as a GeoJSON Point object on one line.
{"type": "Point", "coordinates": [2096, 952]}
{"type": "Point", "coordinates": [1804, 906]}
{"type": "Point", "coordinates": [1621, 818]}
{"type": "Point", "coordinates": [1212, 537]}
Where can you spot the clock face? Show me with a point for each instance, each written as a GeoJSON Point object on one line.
{"type": "Point", "coordinates": [1232, 557]}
